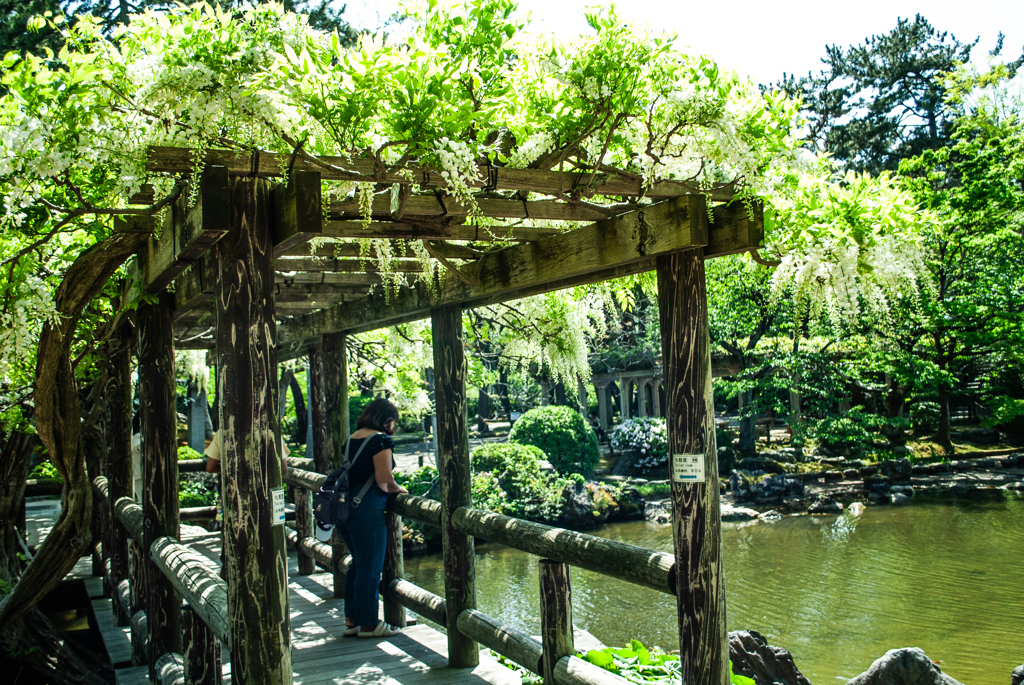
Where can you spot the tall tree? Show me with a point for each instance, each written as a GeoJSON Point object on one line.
{"type": "Point", "coordinates": [876, 103]}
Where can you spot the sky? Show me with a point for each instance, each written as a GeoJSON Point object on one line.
{"type": "Point", "coordinates": [765, 39]}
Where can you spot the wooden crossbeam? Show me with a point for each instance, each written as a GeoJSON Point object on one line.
{"type": "Point", "coordinates": [433, 206]}
{"type": "Point", "coordinates": [315, 264]}
{"type": "Point", "coordinates": [411, 231]}
{"type": "Point", "coordinates": [188, 232]}
{"type": "Point", "coordinates": [326, 278]}
{"type": "Point", "coordinates": [676, 224]}
{"type": "Point", "coordinates": [399, 248]}
{"type": "Point", "coordinates": [298, 292]}
{"type": "Point", "coordinates": [269, 164]}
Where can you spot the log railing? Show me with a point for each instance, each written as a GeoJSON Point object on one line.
{"type": "Point", "coordinates": [553, 657]}
{"type": "Point", "coordinates": [205, 594]}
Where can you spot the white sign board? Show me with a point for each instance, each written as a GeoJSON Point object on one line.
{"type": "Point", "coordinates": [688, 468]}
{"type": "Point", "coordinates": [277, 497]}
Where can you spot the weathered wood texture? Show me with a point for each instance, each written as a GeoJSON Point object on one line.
{"type": "Point", "coordinates": [298, 211]}
{"type": "Point", "coordinates": [424, 603]}
{"type": "Point", "coordinates": [205, 592]}
{"type": "Point", "coordinates": [334, 350]}
{"type": "Point", "coordinates": [269, 164]}
{"type": "Point", "coordinates": [157, 395]}
{"type": "Point", "coordinates": [304, 527]}
{"type": "Point", "coordinates": [608, 557]}
{"type": "Point", "coordinates": [575, 671]}
{"type": "Point", "coordinates": [117, 430]}
{"type": "Point", "coordinates": [696, 518]}
{"type": "Point", "coordinates": [319, 551]}
{"type": "Point", "coordinates": [502, 638]}
{"type": "Point", "coordinates": [246, 392]}
{"type": "Point", "coordinates": [394, 569]}
{"type": "Point", "coordinates": [319, 413]}
{"type": "Point", "coordinates": [188, 231]}
{"type": "Point", "coordinates": [432, 207]}
{"type": "Point", "coordinates": [548, 264]}
{"type": "Point", "coordinates": [136, 564]}
{"type": "Point", "coordinates": [202, 651]}
{"type": "Point", "coordinates": [455, 476]}
{"type": "Point", "coordinates": [170, 669]}
{"type": "Point", "coordinates": [556, 636]}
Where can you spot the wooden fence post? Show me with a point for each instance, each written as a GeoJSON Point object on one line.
{"type": "Point", "coordinates": [202, 651]}
{"type": "Point", "coordinates": [696, 518]}
{"type": "Point", "coordinates": [394, 567]}
{"type": "Point", "coordinates": [118, 443]}
{"type": "Point", "coordinates": [556, 633]}
{"type": "Point", "coordinates": [136, 562]}
{"type": "Point", "coordinates": [335, 422]}
{"type": "Point", "coordinates": [157, 391]}
{"type": "Point", "coordinates": [254, 540]}
{"type": "Point", "coordinates": [455, 476]}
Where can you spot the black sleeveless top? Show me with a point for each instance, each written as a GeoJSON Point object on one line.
{"type": "Point", "coordinates": [362, 469]}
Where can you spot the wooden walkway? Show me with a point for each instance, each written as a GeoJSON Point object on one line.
{"type": "Point", "coordinates": [320, 655]}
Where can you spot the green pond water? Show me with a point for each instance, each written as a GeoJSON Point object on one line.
{"type": "Point", "coordinates": [837, 592]}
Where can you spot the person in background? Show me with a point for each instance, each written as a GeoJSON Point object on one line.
{"type": "Point", "coordinates": [137, 457]}
{"type": "Point", "coordinates": [365, 533]}
{"type": "Point", "coordinates": [214, 449]}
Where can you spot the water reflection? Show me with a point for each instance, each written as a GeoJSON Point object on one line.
{"type": "Point", "coordinates": [837, 591]}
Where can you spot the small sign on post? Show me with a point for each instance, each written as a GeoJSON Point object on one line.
{"type": "Point", "coordinates": [688, 468]}
{"type": "Point", "coordinates": [278, 499]}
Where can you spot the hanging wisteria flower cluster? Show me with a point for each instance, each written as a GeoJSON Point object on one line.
{"type": "Point", "coordinates": [646, 437]}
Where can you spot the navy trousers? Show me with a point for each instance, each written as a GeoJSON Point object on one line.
{"type": "Point", "coordinates": [365, 536]}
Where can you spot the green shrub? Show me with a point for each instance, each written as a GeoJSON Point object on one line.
{"type": "Point", "coordinates": [1007, 416]}
{"type": "Point", "coordinates": [850, 433]}
{"type": "Point", "coordinates": [562, 434]}
{"type": "Point", "coordinates": [197, 491]}
{"type": "Point", "coordinates": [356, 405]}
{"type": "Point", "coordinates": [185, 452]}
{"type": "Point", "coordinates": [46, 470]}
{"type": "Point", "coordinates": [924, 416]}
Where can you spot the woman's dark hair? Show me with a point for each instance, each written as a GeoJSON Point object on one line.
{"type": "Point", "coordinates": [377, 415]}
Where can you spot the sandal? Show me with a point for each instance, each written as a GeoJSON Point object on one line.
{"type": "Point", "coordinates": [382, 629]}
{"type": "Point", "coordinates": [350, 631]}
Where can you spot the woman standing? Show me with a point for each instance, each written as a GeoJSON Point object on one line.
{"type": "Point", "coordinates": [365, 533]}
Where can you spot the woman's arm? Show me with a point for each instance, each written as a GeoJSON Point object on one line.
{"type": "Point", "coordinates": [382, 472]}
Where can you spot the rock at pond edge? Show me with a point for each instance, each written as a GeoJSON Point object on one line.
{"type": "Point", "coordinates": [753, 657]}
{"type": "Point", "coordinates": [904, 666]}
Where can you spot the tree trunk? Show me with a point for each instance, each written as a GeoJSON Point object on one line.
{"type": "Point", "coordinates": [118, 445]}
{"type": "Point", "coordinates": [943, 436]}
{"type": "Point", "coordinates": [58, 421]}
{"type": "Point", "coordinates": [301, 413]}
{"type": "Point", "coordinates": [14, 461]}
{"type": "Point", "coordinates": [748, 424]}
{"type": "Point", "coordinates": [51, 654]}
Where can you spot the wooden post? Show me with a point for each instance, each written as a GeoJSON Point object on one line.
{"type": "Point", "coordinates": [118, 444]}
{"type": "Point", "coordinates": [601, 389]}
{"type": "Point", "coordinates": [202, 651]}
{"type": "Point", "coordinates": [136, 568]}
{"type": "Point", "coordinates": [157, 393]}
{"type": "Point", "coordinates": [254, 542]}
{"type": "Point", "coordinates": [696, 518]}
{"type": "Point", "coordinates": [334, 359]}
{"type": "Point", "coordinates": [556, 634]}
{"type": "Point", "coordinates": [394, 567]}
{"type": "Point", "coordinates": [455, 475]}
{"type": "Point", "coordinates": [304, 528]}
{"type": "Point", "coordinates": [303, 497]}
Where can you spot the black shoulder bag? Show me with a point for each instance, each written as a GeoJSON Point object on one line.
{"type": "Point", "coordinates": [331, 506]}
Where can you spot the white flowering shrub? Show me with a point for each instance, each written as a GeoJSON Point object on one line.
{"type": "Point", "coordinates": [646, 436]}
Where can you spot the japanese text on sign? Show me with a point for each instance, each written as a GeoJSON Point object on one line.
{"type": "Point", "coordinates": [688, 468]}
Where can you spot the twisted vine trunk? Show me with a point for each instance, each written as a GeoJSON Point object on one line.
{"type": "Point", "coordinates": [58, 421]}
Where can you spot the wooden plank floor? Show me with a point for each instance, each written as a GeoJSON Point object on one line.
{"type": "Point", "coordinates": [320, 655]}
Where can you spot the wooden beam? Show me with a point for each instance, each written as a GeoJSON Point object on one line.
{"type": "Point", "coordinates": [434, 207]}
{"type": "Point", "coordinates": [298, 211]}
{"type": "Point", "coordinates": [270, 164]}
{"type": "Point", "coordinates": [334, 265]}
{"type": "Point", "coordinates": [452, 231]}
{"type": "Point", "coordinates": [693, 461]}
{"type": "Point", "coordinates": [398, 247]}
{"type": "Point", "coordinates": [324, 278]}
{"type": "Point", "coordinates": [572, 258]}
{"type": "Point", "coordinates": [195, 286]}
{"type": "Point", "coordinates": [307, 292]}
{"type": "Point", "coordinates": [188, 231]}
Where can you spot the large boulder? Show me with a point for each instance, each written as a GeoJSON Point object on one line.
{"type": "Point", "coordinates": [896, 469]}
{"type": "Point", "coordinates": [726, 459]}
{"type": "Point", "coordinates": [747, 488]}
{"type": "Point", "coordinates": [906, 666]}
{"type": "Point", "coordinates": [753, 657]}
{"type": "Point", "coordinates": [1017, 677]}
{"type": "Point", "coordinates": [577, 508]}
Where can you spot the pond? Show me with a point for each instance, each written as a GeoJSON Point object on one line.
{"type": "Point", "coordinates": [837, 592]}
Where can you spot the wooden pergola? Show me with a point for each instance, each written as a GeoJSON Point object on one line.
{"type": "Point", "coordinates": [234, 274]}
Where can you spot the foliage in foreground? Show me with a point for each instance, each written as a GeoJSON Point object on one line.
{"type": "Point", "coordinates": [562, 434]}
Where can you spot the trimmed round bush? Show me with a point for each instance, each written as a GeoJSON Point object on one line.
{"type": "Point", "coordinates": [501, 457]}
{"type": "Point", "coordinates": [647, 437]}
{"type": "Point", "coordinates": [562, 434]}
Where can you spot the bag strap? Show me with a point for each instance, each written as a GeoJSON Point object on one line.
{"type": "Point", "coordinates": [358, 499]}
